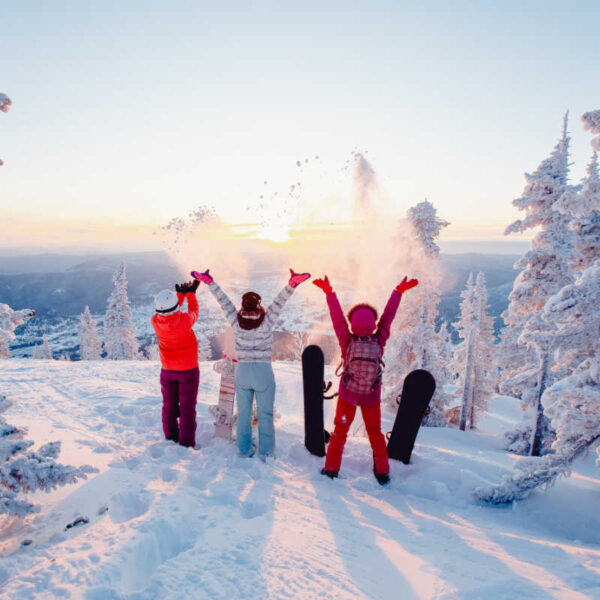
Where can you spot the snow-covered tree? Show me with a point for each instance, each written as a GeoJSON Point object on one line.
{"type": "Point", "coordinates": [9, 320]}
{"type": "Point", "coordinates": [584, 206]}
{"type": "Point", "coordinates": [204, 347]}
{"type": "Point", "coordinates": [573, 402]}
{"type": "Point", "coordinates": [5, 104]}
{"type": "Point", "coordinates": [427, 226]}
{"type": "Point", "coordinates": [90, 346]}
{"type": "Point", "coordinates": [300, 340]}
{"type": "Point", "coordinates": [23, 471]}
{"type": "Point", "coordinates": [152, 352]}
{"type": "Point", "coordinates": [43, 350]}
{"type": "Point", "coordinates": [544, 270]}
{"type": "Point", "coordinates": [120, 340]}
{"type": "Point", "coordinates": [416, 341]}
{"type": "Point", "coordinates": [591, 122]}
{"type": "Point", "coordinates": [473, 358]}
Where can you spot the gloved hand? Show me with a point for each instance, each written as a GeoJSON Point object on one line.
{"type": "Point", "coordinates": [206, 277]}
{"type": "Point", "coordinates": [187, 287]}
{"type": "Point", "coordinates": [324, 284]}
{"type": "Point", "coordinates": [406, 285]}
{"type": "Point", "coordinates": [297, 278]}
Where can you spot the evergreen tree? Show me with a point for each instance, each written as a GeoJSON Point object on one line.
{"type": "Point", "coordinates": [120, 341]}
{"type": "Point", "coordinates": [9, 320]}
{"type": "Point", "coordinates": [473, 358]}
{"type": "Point", "coordinates": [584, 205]}
{"type": "Point", "coordinates": [5, 104]}
{"type": "Point", "coordinates": [90, 346]}
{"type": "Point", "coordinates": [24, 471]}
{"type": "Point", "coordinates": [152, 352]}
{"type": "Point", "coordinates": [545, 269]}
{"type": "Point", "coordinates": [300, 340]}
{"type": "Point", "coordinates": [591, 122]}
{"type": "Point", "coordinates": [416, 342]}
{"type": "Point", "coordinates": [573, 402]}
{"type": "Point", "coordinates": [43, 351]}
{"type": "Point", "coordinates": [204, 348]}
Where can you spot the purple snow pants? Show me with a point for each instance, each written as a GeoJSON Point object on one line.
{"type": "Point", "coordinates": [179, 391]}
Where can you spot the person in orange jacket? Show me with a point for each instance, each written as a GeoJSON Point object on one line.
{"type": "Point", "coordinates": [179, 376]}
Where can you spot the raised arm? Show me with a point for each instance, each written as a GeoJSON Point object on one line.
{"type": "Point", "coordinates": [274, 310]}
{"type": "Point", "coordinates": [188, 291]}
{"type": "Point", "coordinates": [221, 297]}
{"type": "Point", "coordinates": [340, 324]}
{"type": "Point", "coordinates": [391, 308]}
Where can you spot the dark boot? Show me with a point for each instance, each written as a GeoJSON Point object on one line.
{"type": "Point", "coordinates": [330, 474]}
{"type": "Point", "coordinates": [382, 478]}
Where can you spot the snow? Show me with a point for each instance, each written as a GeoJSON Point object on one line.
{"type": "Point", "coordinates": [5, 103]}
{"type": "Point", "coordinates": [166, 521]}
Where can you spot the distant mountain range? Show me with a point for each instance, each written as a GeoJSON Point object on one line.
{"type": "Point", "coordinates": [59, 286]}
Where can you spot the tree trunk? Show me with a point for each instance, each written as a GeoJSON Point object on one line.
{"type": "Point", "coordinates": [539, 412]}
{"type": "Point", "coordinates": [467, 396]}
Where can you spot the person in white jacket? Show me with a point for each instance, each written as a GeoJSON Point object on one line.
{"type": "Point", "coordinates": [253, 329]}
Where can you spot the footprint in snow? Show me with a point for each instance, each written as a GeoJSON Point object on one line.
{"type": "Point", "coordinates": [125, 506]}
{"type": "Point", "coordinates": [258, 501]}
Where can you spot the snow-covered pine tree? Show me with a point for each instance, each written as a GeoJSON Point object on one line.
{"type": "Point", "coordinates": [300, 340]}
{"type": "Point", "coordinates": [5, 104]}
{"type": "Point", "coordinates": [152, 352]}
{"type": "Point", "coordinates": [9, 320]}
{"type": "Point", "coordinates": [120, 340]}
{"type": "Point", "coordinates": [23, 471]}
{"type": "Point", "coordinates": [473, 358]}
{"type": "Point", "coordinates": [204, 347]}
{"type": "Point", "coordinates": [43, 350]}
{"type": "Point", "coordinates": [416, 342]}
{"type": "Point", "coordinates": [585, 207]}
{"type": "Point", "coordinates": [573, 402]}
{"type": "Point", "coordinates": [90, 346]}
{"type": "Point", "coordinates": [591, 122]}
{"type": "Point", "coordinates": [545, 269]}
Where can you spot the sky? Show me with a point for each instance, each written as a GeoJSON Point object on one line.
{"type": "Point", "coordinates": [128, 114]}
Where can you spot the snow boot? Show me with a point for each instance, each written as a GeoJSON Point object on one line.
{"type": "Point", "coordinates": [382, 478]}
{"type": "Point", "coordinates": [330, 474]}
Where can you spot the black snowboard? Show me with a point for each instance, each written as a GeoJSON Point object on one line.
{"type": "Point", "coordinates": [417, 391]}
{"type": "Point", "coordinates": [313, 380]}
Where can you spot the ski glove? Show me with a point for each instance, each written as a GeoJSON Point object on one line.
{"type": "Point", "coordinates": [206, 277]}
{"type": "Point", "coordinates": [297, 278]}
{"type": "Point", "coordinates": [406, 285]}
{"type": "Point", "coordinates": [186, 288]}
{"type": "Point", "coordinates": [324, 284]}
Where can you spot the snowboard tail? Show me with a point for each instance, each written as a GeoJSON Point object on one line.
{"type": "Point", "coordinates": [417, 391]}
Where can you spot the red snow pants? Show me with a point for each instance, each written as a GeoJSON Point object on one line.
{"type": "Point", "coordinates": [180, 391]}
{"type": "Point", "coordinates": [344, 415]}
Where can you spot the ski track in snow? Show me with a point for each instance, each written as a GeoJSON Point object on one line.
{"type": "Point", "coordinates": [170, 522]}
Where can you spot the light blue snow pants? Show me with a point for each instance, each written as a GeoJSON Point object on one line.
{"type": "Point", "coordinates": [255, 378]}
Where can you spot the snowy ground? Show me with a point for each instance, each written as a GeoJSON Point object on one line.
{"type": "Point", "coordinates": [169, 522]}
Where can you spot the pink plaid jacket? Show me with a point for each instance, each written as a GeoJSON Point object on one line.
{"type": "Point", "coordinates": [342, 330]}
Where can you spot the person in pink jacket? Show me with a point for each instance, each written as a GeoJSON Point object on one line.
{"type": "Point", "coordinates": [362, 343]}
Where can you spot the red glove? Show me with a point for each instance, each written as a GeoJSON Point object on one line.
{"type": "Point", "coordinates": [406, 285]}
{"type": "Point", "coordinates": [205, 277]}
{"type": "Point", "coordinates": [324, 284]}
{"type": "Point", "coordinates": [297, 278]}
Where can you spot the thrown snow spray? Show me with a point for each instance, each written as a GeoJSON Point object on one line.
{"type": "Point", "coordinates": [365, 186]}
{"type": "Point", "coordinates": [347, 235]}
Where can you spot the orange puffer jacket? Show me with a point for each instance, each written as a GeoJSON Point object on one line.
{"type": "Point", "coordinates": [176, 339]}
